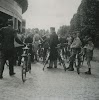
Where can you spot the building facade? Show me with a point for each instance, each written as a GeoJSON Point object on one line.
{"type": "Point", "coordinates": [12, 9]}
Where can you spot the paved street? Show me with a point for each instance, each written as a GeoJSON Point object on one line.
{"type": "Point", "coordinates": [51, 84]}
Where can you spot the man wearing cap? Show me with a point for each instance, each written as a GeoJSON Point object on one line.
{"type": "Point", "coordinates": [53, 50]}
{"type": "Point", "coordinates": [7, 35]}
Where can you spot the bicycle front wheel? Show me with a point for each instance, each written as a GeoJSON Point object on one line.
{"type": "Point", "coordinates": [24, 71]}
{"type": "Point", "coordinates": [78, 67]}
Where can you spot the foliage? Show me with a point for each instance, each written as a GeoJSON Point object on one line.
{"type": "Point", "coordinates": [63, 30]}
{"type": "Point", "coordinates": [33, 31]}
{"type": "Point", "coordinates": [86, 20]}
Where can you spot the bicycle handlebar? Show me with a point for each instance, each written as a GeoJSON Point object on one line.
{"type": "Point", "coordinates": [61, 45]}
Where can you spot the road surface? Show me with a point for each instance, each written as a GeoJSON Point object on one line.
{"type": "Point", "coordinates": [51, 84]}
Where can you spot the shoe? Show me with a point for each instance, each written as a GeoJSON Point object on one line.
{"type": "Point", "coordinates": [88, 73]}
{"type": "Point", "coordinates": [71, 69]}
{"type": "Point", "coordinates": [49, 67]}
{"type": "Point", "coordinates": [55, 67]}
{"type": "Point", "coordinates": [1, 77]}
{"type": "Point", "coordinates": [68, 68]}
{"type": "Point", "coordinates": [59, 63]}
{"type": "Point", "coordinates": [12, 74]}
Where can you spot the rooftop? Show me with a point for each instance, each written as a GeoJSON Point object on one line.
{"type": "Point", "coordinates": [23, 4]}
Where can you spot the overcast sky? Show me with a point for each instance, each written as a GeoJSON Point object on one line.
{"type": "Point", "coordinates": [50, 13]}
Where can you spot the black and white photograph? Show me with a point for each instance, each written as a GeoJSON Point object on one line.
{"type": "Point", "coordinates": [49, 49]}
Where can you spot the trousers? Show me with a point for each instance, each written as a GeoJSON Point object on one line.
{"type": "Point", "coordinates": [7, 55]}
{"type": "Point", "coordinates": [53, 63]}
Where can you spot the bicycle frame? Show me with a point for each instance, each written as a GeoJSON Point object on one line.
{"type": "Point", "coordinates": [60, 56]}
{"type": "Point", "coordinates": [47, 58]}
{"type": "Point", "coordinates": [25, 62]}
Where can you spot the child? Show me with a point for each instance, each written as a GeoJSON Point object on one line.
{"type": "Point", "coordinates": [89, 54]}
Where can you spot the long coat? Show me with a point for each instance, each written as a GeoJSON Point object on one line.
{"type": "Point", "coordinates": [7, 38]}
{"type": "Point", "coordinates": [53, 45]}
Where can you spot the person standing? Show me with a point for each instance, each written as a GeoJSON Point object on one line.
{"type": "Point", "coordinates": [53, 50]}
{"type": "Point", "coordinates": [89, 54]}
{"type": "Point", "coordinates": [7, 36]}
{"type": "Point", "coordinates": [76, 48]}
{"type": "Point", "coordinates": [36, 41]}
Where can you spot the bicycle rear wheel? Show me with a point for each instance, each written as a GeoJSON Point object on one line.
{"type": "Point", "coordinates": [78, 70]}
{"type": "Point", "coordinates": [46, 61]}
{"type": "Point", "coordinates": [24, 71]}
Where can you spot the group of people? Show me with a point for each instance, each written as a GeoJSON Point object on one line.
{"type": "Point", "coordinates": [75, 45]}
{"type": "Point", "coordinates": [7, 48]}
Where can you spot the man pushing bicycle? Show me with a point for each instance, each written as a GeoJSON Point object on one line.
{"type": "Point", "coordinates": [76, 48]}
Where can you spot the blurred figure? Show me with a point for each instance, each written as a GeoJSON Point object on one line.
{"type": "Point", "coordinates": [36, 41]}
{"type": "Point", "coordinates": [7, 34]}
{"type": "Point", "coordinates": [63, 47]}
{"type": "Point", "coordinates": [18, 49]}
{"type": "Point", "coordinates": [76, 48]}
{"type": "Point", "coordinates": [89, 54]}
{"type": "Point", "coordinates": [53, 50]}
{"type": "Point", "coordinates": [29, 39]}
{"type": "Point", "coordinates": [69, 42]}
{"type": "Point", "coordinates": [45, 46]}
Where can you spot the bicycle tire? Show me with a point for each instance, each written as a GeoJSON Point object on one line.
{"type": "Point", "coordinates": [24, 71]}
{"type": "Point", "coordinates": [78, 70]}
{"type": "Point", "coordinates": [46, 60]}
{"type": "Point", "coordinates": [63, 63]}
{"type": "Point", "coordinates": [29, 63]}
{"type": "Point", "coordinates": [77, 65]}
{"type": "Point", "coordinates": [64, 66]}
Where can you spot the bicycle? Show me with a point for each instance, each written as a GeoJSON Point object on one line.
{"type": "Point", "coordinates": [46, 58]}
{"type": "Point", "coordinates": [64, 50]}
{"type": "Point", "coordinates": [40, 53]}
{"type": "Point", "coordinates": [61, 56]}
{"type": "Point", "coordinates": [78, 60]}
{"type": "Point", "coordinates": [26, 61]}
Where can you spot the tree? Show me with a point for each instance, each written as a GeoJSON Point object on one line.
{"type": "Point", "coordinates": [63, 30]}
{"type": "Point", "coordinates": [86, 20]}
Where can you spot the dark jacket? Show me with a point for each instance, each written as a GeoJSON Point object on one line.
{"type": "Point", "coordinates": [53, 40]}
{"type": "Point", "coordinates": [53, 45]}
{"type": "Point", "coordinates": [46, 43]}
{"type": "Point", "coordinates": [7, 36]}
